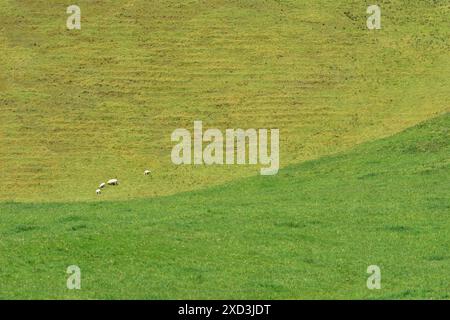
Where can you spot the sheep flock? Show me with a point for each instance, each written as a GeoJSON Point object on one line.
{"type": "Point", "coordinates": [113, 182]}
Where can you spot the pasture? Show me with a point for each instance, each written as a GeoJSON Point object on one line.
{"type": "Point", "coordinates": [363, 117]}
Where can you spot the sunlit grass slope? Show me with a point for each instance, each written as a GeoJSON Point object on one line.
{"type": "Point", "coordinates": [310, 232]}
{"type": "Point", "coordinates": [78, 107]}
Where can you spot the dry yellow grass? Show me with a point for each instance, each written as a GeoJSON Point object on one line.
{"type": "Point", "coordinates": [78, 107]}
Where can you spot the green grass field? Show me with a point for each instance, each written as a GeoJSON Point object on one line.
{"type": "Point", "coordinates": [364, 121]}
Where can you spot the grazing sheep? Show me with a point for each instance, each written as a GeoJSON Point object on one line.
{"type": "Point", "coordinates": [98, 191]}
{"type": "Point", "coordinates": [146, 172]}
{"type": "Point", "coordinates": [102, 185]}
{"type": "Point", "coordinates": [113, 182]}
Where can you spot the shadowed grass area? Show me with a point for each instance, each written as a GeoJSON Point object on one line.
{"type": "Point", "coordinates": [79, 107]}
{"type": "Point", "coordinates": [309, 232]}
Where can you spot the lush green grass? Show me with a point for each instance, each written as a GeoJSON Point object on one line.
{"type": "Point", "coordinates": [101, 102]}
{"type": "Point", "coordinates": [309, 232]}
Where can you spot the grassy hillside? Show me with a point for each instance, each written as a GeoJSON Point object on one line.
{"type": "Point", "coordinates": [309, 232]}
{"type": "Point", "coordinates": [78, 107]}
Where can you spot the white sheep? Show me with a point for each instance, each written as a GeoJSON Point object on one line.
{"type": "Point", "coordinates": [113, 182]}
{"type": "Point", "coordinates": [98, 191]}
{"type": "Point", "coordinates": [102, 185]}
{"type": "Point", "coordinates": [146, 172]}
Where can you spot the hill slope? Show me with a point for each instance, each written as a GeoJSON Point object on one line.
{"type": "Point", "coordinates": [309, 232]}
{"type": "Point", "coordinates": [101, 102]}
